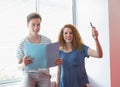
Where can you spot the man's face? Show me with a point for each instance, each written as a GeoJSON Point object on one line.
{"type": "Point", "coordinates": [34, 25]}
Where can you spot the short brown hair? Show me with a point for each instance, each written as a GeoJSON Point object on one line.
{"type": "Point", "coordinates": [32, 16]}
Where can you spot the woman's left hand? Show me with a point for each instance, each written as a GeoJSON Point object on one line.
{"type": "Point", "coordinates": [58, 61]}
{"type": "Point", "coordinates": [94, 33]}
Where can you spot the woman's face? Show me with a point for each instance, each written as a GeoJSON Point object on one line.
{"type": "Point", "coordinates": [68, 35]}
{"type": "Point", "coordinates": [34, 26]}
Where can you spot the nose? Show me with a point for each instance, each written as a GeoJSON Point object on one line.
{"type": "Point", "coordinates": [68, 34]}
{"type": "Point", "coordinates": [36, 27]}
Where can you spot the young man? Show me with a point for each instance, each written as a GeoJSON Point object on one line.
{"type": "Point", "coordinates": [33, 76]}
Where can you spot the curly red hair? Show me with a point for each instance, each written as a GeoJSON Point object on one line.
{"type": "Point", "coordinates": [77, 40]}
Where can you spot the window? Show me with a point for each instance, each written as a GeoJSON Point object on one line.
{"type": "Point", "coordinates": [13, 28]}
{"type": "Point", "coordinates": [55, 14]}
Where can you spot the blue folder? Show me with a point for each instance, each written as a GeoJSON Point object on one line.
{"type": "Point", "coordinates": [43, 55]}
{"type": "Point", "coordinates": [38, 54]}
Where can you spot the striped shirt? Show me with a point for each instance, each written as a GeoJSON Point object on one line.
{"type": "Point", "coordinates": [21, 47]}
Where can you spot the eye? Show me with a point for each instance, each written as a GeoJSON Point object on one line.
{"type": "Point", "coordinates": [65, 33]}
{"type": "Point", "coordinates": [38, 24]}
{"type": "Point", "coordinates": [33, 24]}
{"type": "Point", "coordinates": [71, 32]}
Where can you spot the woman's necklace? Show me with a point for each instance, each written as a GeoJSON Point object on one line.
{"type": "Point", "coordinates": [68, 49]}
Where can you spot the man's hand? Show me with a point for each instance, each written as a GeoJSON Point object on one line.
{"type": "Point", "coordinates": [27, 60]}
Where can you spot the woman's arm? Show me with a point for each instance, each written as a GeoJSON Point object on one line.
{"type": "Point", "coordinates": [58, 76]}
{"type": "Point", "coordinates": [98, 53]}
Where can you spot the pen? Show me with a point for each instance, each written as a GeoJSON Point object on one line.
{"type": "Point", "coordinates": [91, 24]}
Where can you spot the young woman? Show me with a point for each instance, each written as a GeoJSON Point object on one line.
{"type": "Point", "coordinates": [72, 72]}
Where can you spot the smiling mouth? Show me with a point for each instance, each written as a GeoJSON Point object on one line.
{"type": "Point", "coordinates": [68, 39]}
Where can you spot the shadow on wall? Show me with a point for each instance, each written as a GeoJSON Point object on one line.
{"type": "Point", "coordinates": [92, 82]}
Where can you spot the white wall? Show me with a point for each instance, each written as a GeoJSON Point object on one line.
{"type": "Point", "coordinates": [95, 11]}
